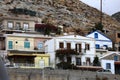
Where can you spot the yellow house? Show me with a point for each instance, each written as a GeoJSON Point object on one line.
{"type": "Point", "coordinates": [23, 53]}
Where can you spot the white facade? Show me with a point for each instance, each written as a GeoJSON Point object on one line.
{"type": "Point", "coordinates": [87, 55]}
{"type": "Point", "coordinates": [110, 66]}
{"type": "Point", "coordinates": [101, 40]}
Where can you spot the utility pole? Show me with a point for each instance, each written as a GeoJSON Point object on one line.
{"type": "Point", "coordinates": [101, 11]}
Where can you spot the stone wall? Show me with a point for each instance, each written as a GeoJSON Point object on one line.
{"type": "Point", "coordinates": [38, 74]}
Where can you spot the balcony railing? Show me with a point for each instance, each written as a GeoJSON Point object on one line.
{"type": "Point", "coordinates": [22, 48]}
{"type": "Point", "coordinates": [20, 28]}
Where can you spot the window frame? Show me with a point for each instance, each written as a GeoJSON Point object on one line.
{"type": "Point", "coordinates": [61, 45]}
{"type": "Point", "coordinates": [24, 26]}
{"type": "Point", "coordinates": [115, 58]}
{"type": "Point", "coordinates": [96, 35]}
{"type": "Point", "coordinates": [87, 46]}
{"type": "Point", "coordinates": [78, 47]}
{"type": "Point", "coordinates": [10, 45]}
{"type": "Point", "coordinates": [68, 45]}
{"type": "Point", "coordinates": [97, 46]}
{"type": "Point", "coordinates": [108, 65]}
{"type": "Point", "coordinates": [10, 24]}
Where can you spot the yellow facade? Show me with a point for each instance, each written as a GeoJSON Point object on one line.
{"type": "Point", "coordinates": [19, 52]}
{"type": "Point", "coordinates": [42, 60]}
{"type": "Point", "coordinates": [18, 42]}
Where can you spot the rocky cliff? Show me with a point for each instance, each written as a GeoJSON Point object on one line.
{"type": "Point", "coordinates": [116, 16]}
{"type": "Point", "coordinates": [72, 14]}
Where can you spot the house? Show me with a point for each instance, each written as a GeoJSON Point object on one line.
{"type": "Point", "coordinates": [25, 50]}
{"type": "Point", "coordinates": [111, 61]}
{"type": "Point", "coordinates": [85, 47]}
{"type": "Point", "coordinates": [102, 42]}
{"type": "Point", "coordinates": [116, 39]}
{"type": "Point", "coordinates": [17, 24]}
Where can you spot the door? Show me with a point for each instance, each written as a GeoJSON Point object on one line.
{"type": "Point", "coordinates": [42, 63]}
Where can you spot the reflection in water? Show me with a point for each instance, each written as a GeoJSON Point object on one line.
{"type": "Point", "coordinates": [3, 72]}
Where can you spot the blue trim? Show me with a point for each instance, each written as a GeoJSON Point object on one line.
{"type": "Point", "coordinates": [104, 40]}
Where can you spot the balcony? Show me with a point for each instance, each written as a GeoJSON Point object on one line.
{"type": "Point", "coordinates": [17, 48]}
{"type": "Point", "coordinates": [15, 28]}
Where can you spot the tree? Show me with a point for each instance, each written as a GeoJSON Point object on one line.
{"type": "Point", "coordinates": [96, 61]}
{"type": "Point", "coordinates": [99, 26]}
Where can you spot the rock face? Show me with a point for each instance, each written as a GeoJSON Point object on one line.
{"type": "Point", "coordinates": [116, 16]}
{"type": "Point", "coordinates": [72, 14]}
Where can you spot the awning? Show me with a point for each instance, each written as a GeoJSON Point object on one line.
{"type": "Point", "coordinates": [43, 55]}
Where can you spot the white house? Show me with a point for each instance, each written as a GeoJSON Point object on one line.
{"type": "Point", "coordinates": [102, 42]}
{"type": "Point", "coordinates": [111, 61]}
{"type": "Point", "coordinates": [83, 45]}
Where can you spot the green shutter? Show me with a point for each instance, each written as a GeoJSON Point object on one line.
{"type": "Point", "coordinates": [26, 44]}
{"type": "Point", "coordinates": [10, 45]}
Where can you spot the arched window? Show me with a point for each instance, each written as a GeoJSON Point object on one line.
{"type": "Point", "coordinates": [96, 35]}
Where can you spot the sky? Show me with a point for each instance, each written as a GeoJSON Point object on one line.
{"type": "Point", "coordinates": [108, 6]}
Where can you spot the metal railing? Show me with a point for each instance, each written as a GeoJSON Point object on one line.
{"type": "Point", "coordinates": [17, 28]}
{"type": "Point", "coordinates": [22, 48]}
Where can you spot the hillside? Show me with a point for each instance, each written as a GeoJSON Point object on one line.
{"type": "Point", "coordinates": [68, 13]}
{"type": "Point", "coordinates": [116, 16]}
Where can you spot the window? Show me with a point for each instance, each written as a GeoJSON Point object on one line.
{"type": "Point", "coordinates": [118, 35]}
{"type": "Point", "coordinates": [96, 35]}
{"type": "Point", "coordinates": [25, 26]}
{"type": "Point", "coordinates": [108, 66]}
{"type": "Point", "coordinates": [18, 26]}
{"type": "Point", "coordinates": [115, 58]}
{"type": "Point", "coordinates": [26, 44]}
{"type": "Point", "coordinates": [78, 48]}
{"type": "Point", "coordinates": [40, 45]}
{"type": "Point", "coordinates": [10, 45]}
{"type": "Point", "coordinates": [61, 45]}
{"type": "Point", "coordinates": [68, 45]}
{"type": "Point", "coordinates": [78, 61]}
{"type": "Point", "coordinates": [97, 46]}
{"type": "Point", "coordinates": [87, 46]}
{"type": "Point", "coordinates": [10, 24]}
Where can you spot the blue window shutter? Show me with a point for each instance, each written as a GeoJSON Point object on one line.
{"type": "Point", "coordinates": [97, 46]}
{"type": "Point", "coordinates": [96, 35]}
{"type": "Point", "coordinates": [10, 45]}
